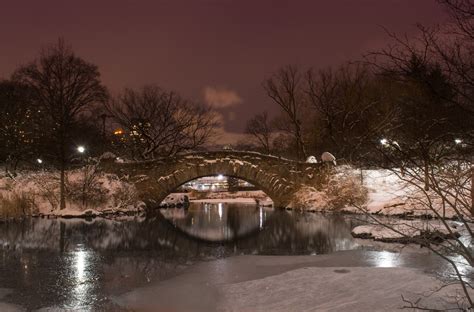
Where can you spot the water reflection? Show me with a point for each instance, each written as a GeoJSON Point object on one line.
{"type": "Point", "coordinates": [260, 230]}
{"type": "Point", "coordinates": [218, 222]}
{"type": "Point", "coordinates": [386, 259]}
{"type": "Point", "coordinates": [80, 274]}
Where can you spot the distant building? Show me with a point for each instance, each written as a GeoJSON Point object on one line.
{"type": "Point", "coordinates": [218, 183]}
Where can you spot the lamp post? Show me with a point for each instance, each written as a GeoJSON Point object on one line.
{"type": "Point", "coordinates": [81, 150]}
{"type": "Point", "coordinates": [40, 163]}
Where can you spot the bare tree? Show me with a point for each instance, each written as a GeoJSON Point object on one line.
{"type": "Point", "coordinates": [352, 108]}
{"type": "Point", "coordinates": [161, 123]}
{"type": "Point", "coordinates": [435, 71]}
{"type": "Point", "coordinates": [286, 89]}
{"type": "Point", "coordinates": [429, 105]}
{"type": "Point", "coordinates": [449, 197]}
{"type": "Point", "coordinates": [261, 129]}
{"type": "Point", "coordinates": [63, 86]}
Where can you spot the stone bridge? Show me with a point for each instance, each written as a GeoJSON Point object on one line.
{"type": "Point", "coordinates": [278, 177]}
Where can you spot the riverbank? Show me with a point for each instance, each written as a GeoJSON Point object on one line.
{"type": "Point", "coordinates": [378, 192]}
{"type": "Point", "coordinates": [88, 193]}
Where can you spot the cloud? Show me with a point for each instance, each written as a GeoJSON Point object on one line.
{"type": "Point", "coordinates": [224, 137]}
{"type": "Point", "coordinates": [220, 97]}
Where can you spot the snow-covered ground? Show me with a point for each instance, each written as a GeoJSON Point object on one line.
{"type": "Point", "coordinates": [385, 194]}
{"type": "Point", "coordinates": [100, 194]}
{"type": "Point", "coordinates": [242, 197]}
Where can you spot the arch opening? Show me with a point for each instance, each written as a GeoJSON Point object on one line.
{"type": "Point", "coordinates": [217, 188]}
{"type": "Point", "coordinates": [218, 208]}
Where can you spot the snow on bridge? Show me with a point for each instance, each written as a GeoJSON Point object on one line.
{"type": "Point", "coordinates": [278, 177]}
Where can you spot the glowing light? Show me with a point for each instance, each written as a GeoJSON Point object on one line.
{"type": "Point", "coordinates": [80, 265]}
{"type": "Point", "coordinates": [220, 209]}
{"type": "Point", "coordinates": [457, 141]}
{"type": "Point", "coordinates": [220, 177]}
{"type": "Point", "coordinates": [384, 142]}
{"type": "Point", "coordinates": [118, 132]}
{"type": "Point", "coordinates": [81, 149]}
{"type": "Point", "coordinates": [387, 259]}
{"type": "Point", "coordinates": [81, 276]}
{"type": "Point", "coordinates": [39, 161]}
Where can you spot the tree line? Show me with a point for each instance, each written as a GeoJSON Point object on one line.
{"type": "Point", "coordinates": [58, 102]}
{"type": "Point", "coordinates": [56, 111]}
{"type": "Point", "coordinates": [415, 96]}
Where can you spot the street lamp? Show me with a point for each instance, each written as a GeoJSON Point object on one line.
{"type": "Point", "coordinates": [81, 149]}
{"type": "Point", "coordinates": [39, 161]}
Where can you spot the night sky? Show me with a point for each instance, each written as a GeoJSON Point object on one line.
{"type": "Point", "coordinates": [217, 51]}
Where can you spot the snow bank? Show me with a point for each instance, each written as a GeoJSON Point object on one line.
{"type": "Point", "coordinates": [379, 192]}
{"type": "Point", "coordinates": [175, 200]}
{"type": "Point", "coordinates": [406, 231]}
{"type": "Point", "coordinates": [88, 193]}
{"type": "Point", "coordinates": [227, 195]}
{"type": "Point", "coordinates": [243, 200]}
{"type": "Point", "coordinates": [244, 197]}
{"type": "Point", "coordinates": [389, 195]}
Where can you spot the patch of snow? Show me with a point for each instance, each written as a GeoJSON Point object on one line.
{"type": "Point", "coordinates": [404, 230]}
{"type": "Point", "coordinates": [337, 289]}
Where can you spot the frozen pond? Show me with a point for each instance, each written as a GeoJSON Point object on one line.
{"type": "Point", "coordinates": [81, 264]}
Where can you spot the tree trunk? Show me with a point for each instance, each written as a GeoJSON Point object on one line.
{"type": "Point", "coordinates": [62, 156]}
{"type": "Point", "coordinates": [427, 177]}
{"type": "Point", "coordinates": [472, 191]}
{"type": "Point", "coordinates": [62, 201]}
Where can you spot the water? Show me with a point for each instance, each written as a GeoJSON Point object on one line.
{"type": "Point", "coordinates": [81, 264]}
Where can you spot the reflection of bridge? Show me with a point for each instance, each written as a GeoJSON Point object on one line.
{"type": "Point", "coordinates": [279, 178]}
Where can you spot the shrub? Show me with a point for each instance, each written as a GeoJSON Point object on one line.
{"type": "Point", "coordinates": [16, 206]}
{"type": "Point", "coordinates": [344, 188]}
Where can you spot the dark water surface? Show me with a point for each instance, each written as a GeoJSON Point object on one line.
{"type": "Point", "coordinates": [79, 264]}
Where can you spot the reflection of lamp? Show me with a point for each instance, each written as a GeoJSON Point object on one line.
{"type": "Point", "coordinates": [387, 259]}
{"type": "Point", "coordinates": [80, 265]}
{"type": "Point", "coordinates": [220, 210]}
{"type": "Point", "coordinates": [220, 177]}
{"type": "Point", "coordinates": [80, 275]}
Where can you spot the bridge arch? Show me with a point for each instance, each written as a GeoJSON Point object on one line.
{"type": "Point", "coordinates": [279, 178]}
